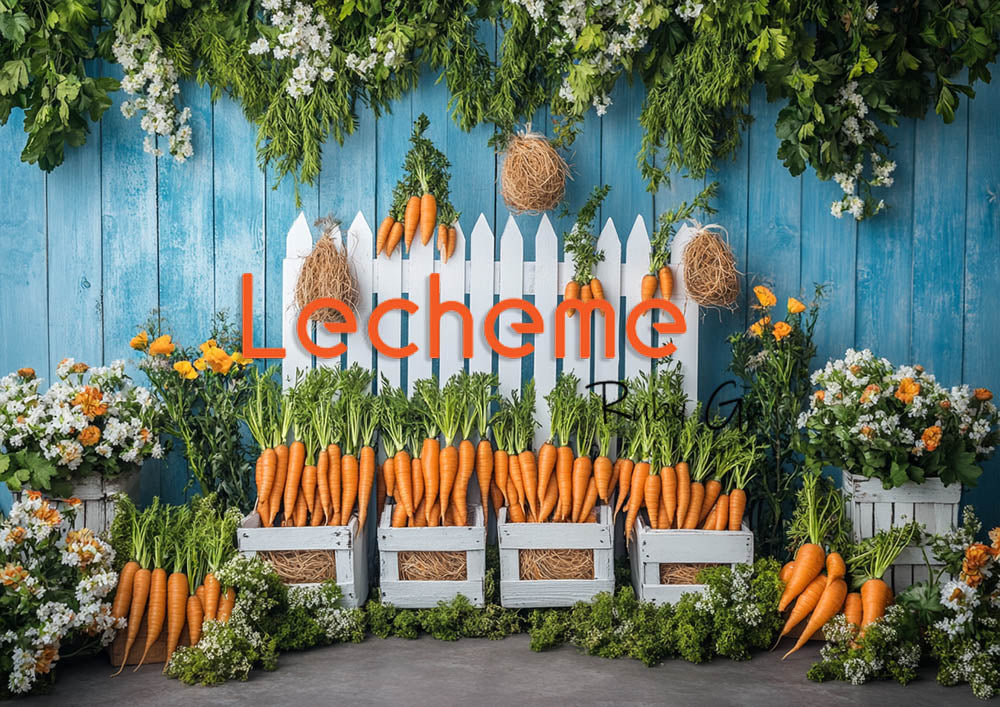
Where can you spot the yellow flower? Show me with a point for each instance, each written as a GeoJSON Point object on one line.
{"type": "Point", "coordinates": [931, 437]}
{"type": "Point", "coordinates": [200, 364]}
{"type": "Point", "coordinates": [185, 370]}
{"type": "Point", "coordinates": [765, 296]}
{"type": "Point", "coordinates": [140, 341]}
{"type": "Point", "coordinates": [26, 373]}
{"type": "Point", "coordinates": [91, 402]}
{"type": "Point", "coordinates": [90, 436]}
{"type": "Point", "coordinates": [161, 346]}
{"type": "Point", "coordinates": [758, 328]}
{"type": "Point", "coordinates": [781, 330]}
{"type": "Point", "coordinates": [908, 389]}
{"type": "Point", "coordinates": [983, 394]}
{"type": "Point", "coordinates": [794, 306]}
{"type": "Point", "coordinates": [239, 360]}
{"type": "Point", "coordinates": [210, 344]}
{"type": "Point", "coordinates": [218, 360]}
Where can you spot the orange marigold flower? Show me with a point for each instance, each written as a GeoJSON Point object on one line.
{"type": "Point", "coordinates": [765, 296]}
{"type": "Point", "coordinates": [34, 495]}
{"type": "Point", "coordinates": [73, 501]}
{"type": "Point", "coordinates": [200, 364]}
{"type": "Point", "coordinates": [140, 341]}
{"type": "Point", "coordinates": [867, 431]}
{"type": "Point", "coordinates": [781, 330]}
{"type": "Point", "coordinates": [219, 360]}
{"type": "Point", "coordinates": [26, 373]}
{"type": "Point", "coordinates": [185, 370]}
{"type": "Point", "coordinates": [983, 394]}
{"type": "Point", "coordinates": [995, 537]}
{"type": "Point", "coordinates": [13, 574]}
{"type": "Point", "coordinates": [90, 436]}
{"type": "Point", "coordinates": [17, 534]}
{"type": "Point", "coordinates": [931, 437]}
{"type": "Point", "coordinates": [870, 390]}
{"type": "Point", "coordinates": [758, 328]}
{"type": "Point", "coordinates": [162, 346]}
{"type": "Point", "coordinates": [91, 401]}
{"type": "Point", "coordinates": [80, 367]}
{"type": "Point", "coordinates": [48, 515]}
{"type": "Point", "coordinates": [978, 555]}
{"type": "Point", "coordinates": [794, 306]}
{"type": "Point", "coordinates": [971, 574]}
{"type": "Point", "coordinates": [908, 389]}
{"type": "Point", "coordinates": [820, 394]}
{"type": "Point", "coordinates": [210, 344]}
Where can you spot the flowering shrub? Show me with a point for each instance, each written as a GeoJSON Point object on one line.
{"type": "Point", "coordinates": [92, 420]}
{"type": "Point", "coordinates": [53, 582]}
{"type": "Point", "coordinates": [896, 424]}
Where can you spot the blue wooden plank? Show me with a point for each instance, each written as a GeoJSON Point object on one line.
{"type": "Point", "coordinates": [774, 218]}
{"type": "Point", "coordinates": [392, 133]}
{"type": "Point", "coordinates": [347, 179]}
{"type": "Point", "coordinates": [829, 248]}
{"type": "Point", "coordinates": [73, 195]}
{"type": "Point", "coordinates": [239, 209]}
{"type": "Point", "coordinates": [982, 271]}
{"type": "Point", "coordinates": [23, 314]}
{"type": "Point", "coordinates": [939, 246]}
{"type": "Point", "coordinates": [621, 138]}
{"type": "Point", "coordinates": [885, 261]}
{"type": "Point", "coordinates": [129, 266]}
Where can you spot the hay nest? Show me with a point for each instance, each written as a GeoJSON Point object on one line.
{"type": "Point", "coordinates": [533, 176]}
{"type": "Point", "coordinates": [682, 572]}
{"type": "Point", "coordinates": [556, 564]}
{"type": "Point", "coordinates": [710, 275]}
{"type": "Point", "coordinates": [433, 566]}
{"type": "Point", "coordinates": [326, 272]}
{"type": "Point", "coordinates": [303, 566]}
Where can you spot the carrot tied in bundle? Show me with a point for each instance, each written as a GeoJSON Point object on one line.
{"type": "Point", "coordinates": [580, 243]}
{"type": "Point", "coordinates": [660, 274]}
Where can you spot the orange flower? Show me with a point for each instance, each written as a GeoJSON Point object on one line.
{"type": "Point", "coordinates": [758, 328]}
{"type": "Point", "coordinates": [13, 574]}
{"type": "Point", "coordinates": [91, 401]}
{"type": "Point", "coordinates": [781, 330]}
{"type": "Point", "coordinates": [73, 501]}
{"type": "Point", "coordinates": [978, 555]}
{"type": "Point", "coordinates": [200, 364]}
{"type": "Point", "coordinates": [239, 360]}
{"type": "Point", "coordinates": [210, 344]}
{"type": "Point", "coordinates": [34, 495]}
{"type": "Point", "coordinates": [44, 661]}
{"type": "Point", "coordinates": [161, 346]}
{"type": "Point", "coordinates": [90, 436]}
{"type": "Point", "coordinates": [16, 535]}
{"type": "Point", "coordinates": [908, 389]}
{"type": "Point", "coordinates": [765, 296]}
{"type": "Point", "coordinates": [869, 392]}
{"type": "Point", "coordinates": [945, 404]}
{"type": "Point", "coordinates": [145, 434]}
{"type": "Point", "coordinates": [983, 394]}
{"type": "Point", "coordinates": [185, 370]}
{"type": "Point", "coordinates": [995, 537]}
{"type": "Point", "coordinates": [80, 367]}
{"type": "Point", "coordinates": [26, 373]}
{"type": "Point", "coordinates": [219, 360]}
{"type": "Point", "coordinates": [867, 431]}
{"type": "Point", "coordinates": [794, 306]}
{"type": "Point", "coordinates": [855, 369]}
{"type": "Point", "coordinates": [820, 395]}
{"type": "Point", "coordinates": [931, 437]}
{"type": "Point", "coordinates": [140, 341]}
{"type": "Point", "coordinates": [48, 515]}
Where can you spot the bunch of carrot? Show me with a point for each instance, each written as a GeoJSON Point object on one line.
{"type": "Point", "coordinates": [193, 541]}
{"type": "Point", "coordinates": [581, 243]}
{"type": "Point", "coordinates": [428, 481]}
{"type": "Point", "coordinates": [328, 470]}
{"type": "Point", "coordinates": [660, 275]}
{"type": "Point", "coordinates": [419, 198]}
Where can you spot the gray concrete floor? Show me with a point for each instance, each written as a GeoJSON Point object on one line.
{"type": "Point", "coordinates": [471, 673]}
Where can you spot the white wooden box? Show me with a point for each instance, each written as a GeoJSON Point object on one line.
{"type": "Point", "coordinates": [418, 594]}
{"type": "Point", "coordinates": [650, 548]}
{"type": "Point", "coordinates": [96, 492]}
{"type": "Point", "coordinates": [872, 508]}
{"type": "Point", "coordinates": [514, 537]}
{"type": "Point", "coordinates": [350, 550]}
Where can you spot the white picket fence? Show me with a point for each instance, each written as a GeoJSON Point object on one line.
{"type": "Point", "coordinates": [479, 281]}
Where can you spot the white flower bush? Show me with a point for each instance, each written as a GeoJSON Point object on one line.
{"type": "Point", "coordinates": [53, 582]}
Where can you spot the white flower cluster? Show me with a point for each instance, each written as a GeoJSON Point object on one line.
{"type": "Point", "coordinates": [689, 10]}
{"type": "Point", "coordinates": [338, 624]}
{"type": "Point", "coordinates": [856, 131]}
{"type": "Point", "coordinates": [90, 415]}
{"type": "Point", "coordinates": [390, 56]}
{"type": "Point", "coordinates": [152, 76]}
{"type": "Point", "coordinates": [302, 35]}
{"type": "Point", "coordinates": [623, 35]}
{"type": "Point", "coordinates": [58, 603]}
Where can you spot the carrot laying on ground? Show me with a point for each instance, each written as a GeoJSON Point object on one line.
{"type": "Point", "coordinates": [853, 611]}
{"type": "Point", "coordinates": [809, 560]}
{"type": "Point", "coordinates": [226, 605]}
{"type": "Point", "coordinates": [830, 603]}
{"type": "Point", "coordinates": [805, 603]}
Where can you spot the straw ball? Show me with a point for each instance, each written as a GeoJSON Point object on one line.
{"type": "Point", "coordinates": [710, 275]}
{"type": "Point", "coordinates": [326, 272]}
{"type": "Point", "coordinates": [533, 175]}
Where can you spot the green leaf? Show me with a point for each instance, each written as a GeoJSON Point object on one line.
{"type": "Point", "coordinates": [13, 76]}
{"type": "Point", "coordinates": [14, 26]}
{"type": "Point", "coordinates": [589, 38]}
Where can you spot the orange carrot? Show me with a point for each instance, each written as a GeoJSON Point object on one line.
{"type": "Point", "coordinates": [399, 515]}
{"type": "Point", "coordinates": [549, 501]}
{"type": "Point", "coordinates": [669, 492]}
{"type": "Point", "coordinates": [300, 513]}
{"type": "Point", "coordinates": [226, 605]}
{"type": "Point", "coordinates": [515, 478]}
{"type": "Point", "coordinates": [836, 568]}
{"type": "Point", "coordinates": [177, 591]}
{"type": "Point", "coordinates": [501, 470]}
{"type": "Point", "coordinates": [805, 603]}
{"type": "Point", "coordinates": [635, 497]}
{"type": "Point", "coordinates": [452, 243]}
{"type": "Point", "coordinates": [123, 594]}
{"type": "Point", "coordinates": [350, 475]}
{"type": "Point", "coordinates": [383, 234]}
{"type": "Point", "coordinates": [722, 517]}
{"type": "Point", "coordinates": [648, 286]}
{"type": "Point", "coordinates": [430, 459]}
{"type": "Point", "coordinates": [581, 477]}
{"type": "Point", "coordinates": [875, 595]}
{"type": "Point", "coordinates": [449, 472]}
{"type": "Point", "coordinates": [602, 477]}
{"type": "Point", "coordinates": [395, 236]}
{"type": "Point", "coordinates": [484, 472]}
{"type": "Point", "coordinates": [712, 490]}
{"type": "Point", "coordinates": [460, 492]}
{"type": "Point", "coordinates": [195, 618]}
{"type": "Point", "coordinates": [309, 483]}
{"type": "Point", "coordinates": [853, 610]}
{"type": "Point", "coordinates": [589, 501]}
{"type": "Point", "coordinates": [666, 281]}
{"type": "Point", "coordinates": [323, 482]}
{"type": "Point", "coordinates": [586, 294]}
{"type": "Point", "coordinates": [683, 492]}
{"type": "Point", "coordinates": [419, 519]}
{"type": "Point", "coordinates": [411, 218]}
{"type": "Point", "coordinates": [389, 474]}
{"type": "Point", "coordinates": [496, 496]}
{"type": "Point", "coordinates": [709, 523]}
{"type": "Point", "coordinates": [281, 476]}
{"type": "Point", "coordinates": [829, 604]}
{"type": "Point", "coordinates": [213, 592]}
{"type": "Point", "coordinates": [428, 216]}
{"type": "Point", "coordinates": [809, 559]}
{"type": "Point", "coordinates": [652, 493]}
{"type": "Point", "coordinates": [137, 609]}
{"type": "Point", "coordinates": [156, 612]}
{"type": "Point", "coordinates": [529, 477]}
{"type": "Point", "coordinates": [442, 242]}
{"type": "Point", "coordinates": [616, 469]}
{"type": "Point", "coordinates": [786, 572]}
{"type": "Point", "coordinates": [624, 483]}
{"type": "Point", "coordinates": [366, 479]}
{"type": "Point", "coordinates": [572, 291]}
{"type": "Point", "coordinates": [737, 506]}
{"type": "Point", "coordinates": [662, 515]}
{"type": "Point", "coordinates": [564, 481]}
{"type": "Point", "coordinates": [417, 474]}
{"type": "Point", "coordinates": [515, 512]}
{"type": "Point", "coordinates": [433, 515]}
{"type": "Point", "coordinates": [694, 504]}
{"type": "Point", "coordinates": [336, 482]}
{"type": "Point", "coordinates": [596, 288]}
{"type": "Point", "coordinates": [380, 494]}
{"type": "Point", "coordinates": [296, 460]}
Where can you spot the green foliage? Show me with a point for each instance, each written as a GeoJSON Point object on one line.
{"type": "Point", "coordinates": [26, 469]}
{"type": "Point", "coordinates": [580, 242]}
{"type": "Point", "coordinates": [820, 516]}
{"type": "Point", "coordinates": [666, 229]}
{"type": "Point", "coordinates": [889, 649]}
{"type": "Point", "coordinates": [425, 171]}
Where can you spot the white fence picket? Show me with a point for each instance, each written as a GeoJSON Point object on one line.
{"type": "Point", "coordinates": [609, 272]}
{"type": "Point", "coordinates": [636, 265]}
{"type": "Point", "coordinates": [419, 268]}
{"type": "Point", "coordinates": [389, 285]}
{"type": "Point", "coordinates": [359, 240]}
{"type": "Point", "coordinates": [546, 298]}
{"type": "Point", "coordinates": [480, 271]}
{"type": "Point", "coordinates": [298, 244]}
{"type": "Point", "coordinates": [686, 343]}
{"type": "Point", "coordinates": [511, 285]}
{"type": "Point", "coordinates": [452, 327]}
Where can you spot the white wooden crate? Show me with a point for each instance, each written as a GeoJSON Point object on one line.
{"type": "Point", "coordinates": [97, 509]}
{"type": "Point", "coordinates": [872, 508]}
{"type": "Point", "coordinates": [350, 550]}
{"type": "Point", "coordinates": [514, 537]}
{"type": "Point", "coordinates": [417, 594]}
{"type": "Point", "coordinates": [649, 548]}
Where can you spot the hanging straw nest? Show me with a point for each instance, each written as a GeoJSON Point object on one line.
{"type": "Point", "coordinates": [326, 272]}
{"type": "Point", "coordinates": [303, 566]}
{"type": "Point", "coordinates": [556, 564]}
{"type": "Point", "coordinates": [433, 566]}
{"type": "Point", "coordinates": [710, 275]}
{"type": "Point", "coordinates": [682, 572]}
{"type": "Point", "coordinates": [533, 176]}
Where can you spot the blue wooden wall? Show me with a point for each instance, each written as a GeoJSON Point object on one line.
{"type": "Point", "coordinates": [88, 250]}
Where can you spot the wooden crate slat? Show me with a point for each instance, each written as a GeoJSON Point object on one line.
{"type": "Point", "coordinates": [442, 539]}
{"type": "Point", "coordinates": [555, 592]}
{"type": "Point", "coordinates": [426, 595]}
